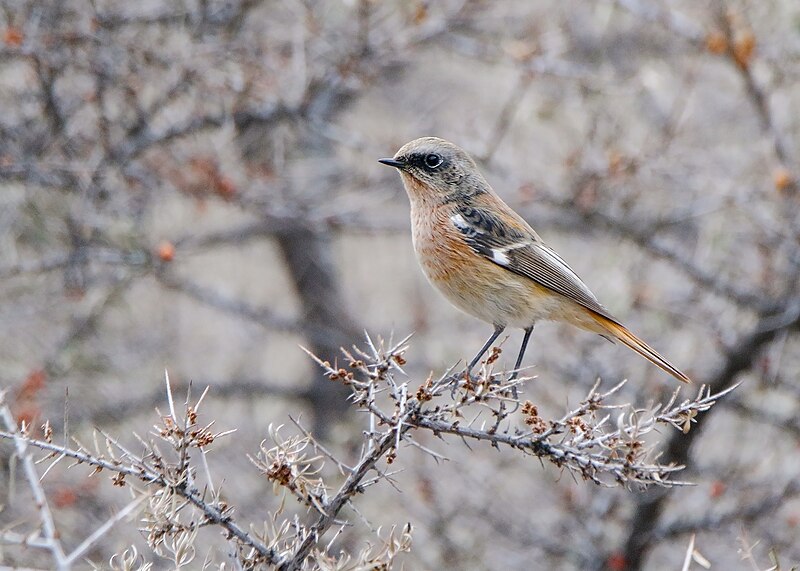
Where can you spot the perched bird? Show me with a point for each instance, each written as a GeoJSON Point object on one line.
{"type": "Point", "coordinates": [489, 262]}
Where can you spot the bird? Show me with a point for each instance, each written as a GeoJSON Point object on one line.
{"type": "Point", "coordinates": [488, 261]}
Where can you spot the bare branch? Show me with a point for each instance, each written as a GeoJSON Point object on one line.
{"type": "Point", "coordinates": [49, 539]}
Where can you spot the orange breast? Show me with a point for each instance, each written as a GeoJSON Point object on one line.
{"type": "Point", "coordinates": [467, 279]}
{"type": "Point", "coordinates": [441, 249]}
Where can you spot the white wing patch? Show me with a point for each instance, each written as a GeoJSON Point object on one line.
{"type": "Point", "coordinates": [499, 256]}
{"type": "Point", "coordinates": [459, 222]}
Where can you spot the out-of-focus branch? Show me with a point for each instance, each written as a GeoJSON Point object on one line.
{"type": "Point", "coordinates": [308, 255]}
{"type": "Point", "coordinates": [85, 324]}
{"type": "Point", "coordinates": [739, 55]}
{"type": "Point", "coordinates": [119, 410]}
{"type": "Point", "coordinates": [40, 266]}
{"type": "Point", "coordinates": [646, 239]}
{"type": "Point", "coordinates": [148, 138]}
{"type": "Point", "coordinates": [507, 112]}
{"type": "Point", "coordinates": [670, 19]}
{"type": "Point", "coordinates": [47, 82]}
{"type": "Point", "coordinates": [739, 359]}
{"type": "Point", "coordinates": [267, 227]}
{"type": "Point", "coordinates": [272, 225]}
{"type": "Point", "coordinates": [207, 296]}
{"type": "Point", "coordinates": [764, 416]}
{"type": "Point", "coordinates": [737, 515]}
{"type": "Point", "coordinates": [736, 52]}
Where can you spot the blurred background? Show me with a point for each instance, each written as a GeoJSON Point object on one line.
{"type": "Point", "coordinates": [193, 186]}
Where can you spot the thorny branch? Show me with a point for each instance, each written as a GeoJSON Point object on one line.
{"type": "Point", "coordinates": [49, 539]}
{"type": "Point", "coordinates": [597, 440]}
{"type": "Point", "coordinates": [151, 469]}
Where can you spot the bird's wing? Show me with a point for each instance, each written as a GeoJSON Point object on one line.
{"type": "Point", "coordinates": [522, 252]}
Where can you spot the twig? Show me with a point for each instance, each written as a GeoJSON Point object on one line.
{"type": "Point", "coordinates": [214, 514]}
{"type": "Point", "coordinates": [687, 561]}
{"type": "Point", "coordinates": [103, 529]}
{"type": "Point", "coordinates": [332, 508]}
{"type": "Point", "coordinates": [21, 443]}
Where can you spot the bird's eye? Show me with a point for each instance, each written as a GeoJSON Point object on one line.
{"type": "Point", "coordinates": [433, 160]}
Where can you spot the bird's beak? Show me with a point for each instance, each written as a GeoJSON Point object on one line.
{"type": "Point", "coordinates": [392, 163]}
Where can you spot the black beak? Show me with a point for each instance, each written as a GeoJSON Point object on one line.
{"type": "Point", "coordinates": [392, 163]}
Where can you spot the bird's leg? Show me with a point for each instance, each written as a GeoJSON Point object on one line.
{"type": "Point", "coordinates": [498, 329]}
{"type": "Point", "coordinates": [528, 331]}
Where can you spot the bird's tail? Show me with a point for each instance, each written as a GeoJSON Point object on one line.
{"type": "Point", "coordinates": [621, 332]}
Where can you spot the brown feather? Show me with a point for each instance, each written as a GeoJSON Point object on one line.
{"type": "Point", "coordinates": [625, 336]}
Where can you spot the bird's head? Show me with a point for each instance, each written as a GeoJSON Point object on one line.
{"type": "Point", "coordinates": [437, 166]}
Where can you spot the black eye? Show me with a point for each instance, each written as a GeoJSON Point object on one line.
{"type": "Point", "coordinates": [433, 160]}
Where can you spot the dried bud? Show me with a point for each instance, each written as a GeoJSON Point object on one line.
{"type": "Point", "coordinates": [13, 37]}
{"type": "Point", "coordinates": [225, 187]}
{"type": "Point", "coordinates": [717, 489]}
{"type": "Point", "coordinates": [64, 497]}
{"type": "Point", "coordinates": [743, 48]}
{"type": "Point", "coordinates": [616, 162]}
{"type": "Point", "coordinates": [280, 473]}
{"type": "Point", "coordinates": [47, 432]}
{"type": "Point", "coordinates": [420, 13]}
{"type": "Point", "coordinates": [532, 418]}
{"type": "Point", "coordinates": [617, 562]}
{"type": "Point", "coordinates": [165, 251]}
{"type": "Point", "coordinates": [783, 180]}
{"type": "Point", "coordinates": [423, 393]}
{"type": "Point", "coordinates": [496, 351]}
{"type": "Point", "coordinates": [716, 43]}
{"type": "Point", "coordinates": [577, 424]}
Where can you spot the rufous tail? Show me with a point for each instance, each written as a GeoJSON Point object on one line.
{"type": "Point", "coordinates": [632, 341]}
